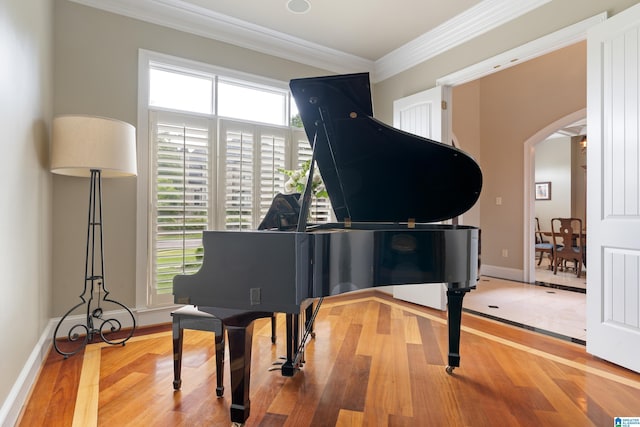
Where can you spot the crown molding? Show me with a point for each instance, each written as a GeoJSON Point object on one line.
{"type": "Point", "coordinates": [190, 18]}
{"type": "Point", "coordinates": [546, 44]}
{"type": "Point", "coordinates": [473, 22]}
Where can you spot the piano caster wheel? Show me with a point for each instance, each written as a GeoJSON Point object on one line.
{"type": "Point", "coordinates": [177, 384]}
{"type": "Point", "coordinates": [449, 369]}
{"type": "Point", "coordinates": [313, 335]}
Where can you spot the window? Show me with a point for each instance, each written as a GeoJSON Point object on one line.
{"type": "Point", "coordinates": [181, 196]}
{"type": "Point", "coordinates": [177, 91]}
{"type": "Point", "coordinates": [213, 146]}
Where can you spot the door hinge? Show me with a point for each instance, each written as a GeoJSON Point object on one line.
{"type": "Point", "coordinates": [444, 105]}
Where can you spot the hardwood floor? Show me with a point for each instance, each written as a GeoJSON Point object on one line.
{"type": "Point", "coordinates": [375, 361]}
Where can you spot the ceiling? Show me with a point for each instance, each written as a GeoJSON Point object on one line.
{"type": "Point", "coordinates": [574, 129]}
{"type": "Point", "coordinates": [382, 37]}
{"type": "Point", "coordinates": [369, 29]}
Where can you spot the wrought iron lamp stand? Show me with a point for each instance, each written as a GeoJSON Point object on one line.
{"type": "Point", "coordinates": [95, 293]}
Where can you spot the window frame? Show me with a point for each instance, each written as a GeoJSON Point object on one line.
{"type": "Point", "coordinates": [145, 290]}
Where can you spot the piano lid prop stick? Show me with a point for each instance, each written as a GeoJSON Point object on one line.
{"type": "Point", "coordinates": [309, 325]}
{"type": "Point", "coordinates": [306, 196]}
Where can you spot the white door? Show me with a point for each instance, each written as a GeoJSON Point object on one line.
{"type": "Point", "coordinates": [424, 114]}
{"type": "Point", "coordinates": [613, 201]}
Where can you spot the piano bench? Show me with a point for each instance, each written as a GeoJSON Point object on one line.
{"type": "Point", "coordinates": [189, 317]}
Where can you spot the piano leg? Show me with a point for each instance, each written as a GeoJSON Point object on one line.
{"type": "Point", "coordinates": [454, 320]}
{"type": "Point", "coordinates": [273, 328]}
{"type": "Point", "coordinates": [295, 348]}
{"type": "Point", "coordinates": [239, 338]}
{"type": "Point", "coordinates": [288, 367]}
{"type": "Point", "coordinates": [219, 341]}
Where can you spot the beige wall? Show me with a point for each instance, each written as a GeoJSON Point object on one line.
{"type": "Point", "coordinates": [553, 164]}
{"type": "Point", "coordinates": [562, 162]}
{"type": "Point", "coordinates": [514, 105]}
{"type": "Point", "coordinates": [466, 108]}
{"type": "Point", "coordinates": [96, 72]}
{"type": "Point", "coordinates": [25, 217]}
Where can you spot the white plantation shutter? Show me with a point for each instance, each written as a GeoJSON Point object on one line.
{"type": "Point", "coordinates": [252, 156]}
{"type": "Point", "coordinates": [273, 149]}
{"type": "Point", "coordinates": [320, 210]}
{"type": "Point", "coordinates": [184, 184]}
{"type": "Point", "coordinates": [239, 156]}
{"type": "Point", "coordinates": [181, 196]}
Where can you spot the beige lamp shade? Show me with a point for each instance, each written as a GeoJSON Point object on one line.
{"type": "Point", "coordinates": [82, 143]}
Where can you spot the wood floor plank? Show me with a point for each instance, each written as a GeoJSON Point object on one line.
{"type": "Point", "coordinates": [86, 409]}
{"type": "Point", "coordinates": [375, 361]}
{"type": "Point", "coordinates": [333, 395]}
{"type": "Point", "coordinates": [369, 328]}
{"type": "Point", "coordinates": [50, 402]}
{"type": "Point", "coordinates": [411, 330]}
{"type": "Point", "coordinates": [348, 418]}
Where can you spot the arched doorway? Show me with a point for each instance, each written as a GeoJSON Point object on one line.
{"type": "Point", "coordinates": [529, 181]}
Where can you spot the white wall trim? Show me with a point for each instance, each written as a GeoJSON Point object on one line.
{"type": "Point", "coordinates": [473, 22]}
{"type": "Point", "coordinates": [190, 18]}
{"type": "Point", "coordinates": [549, 43]}
{"type": "Point", "coordinates": [20, 391]}
{"type": "Point", "coordinates": [506, 273]}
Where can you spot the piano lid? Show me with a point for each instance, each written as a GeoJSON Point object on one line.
{"type": "Point", "coordinates": [374, 172]}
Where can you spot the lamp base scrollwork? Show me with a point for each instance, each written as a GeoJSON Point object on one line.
{"type": "Point", "coordinates": [103, 319]}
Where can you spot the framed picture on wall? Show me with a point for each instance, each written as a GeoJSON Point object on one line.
{"type": "Point", "coordinates": [543, 190]}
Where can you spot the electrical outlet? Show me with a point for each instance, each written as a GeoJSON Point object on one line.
{"type": "Point", "coordinates": [505, 253]}
{"type": "Point", "coordinates": [499, 201]}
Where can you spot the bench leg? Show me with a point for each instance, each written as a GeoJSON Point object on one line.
{"type": "Point", "coordinates": [273, 328]}
{"type": "Point", "coordinates": [239, 338]}
{"type": "Point", "coordinates": [178, 335]}
{"type": "Point", "coordinates": [219, 363]}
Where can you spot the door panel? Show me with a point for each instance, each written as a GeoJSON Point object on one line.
{"type": "Point", "coordinates": [613, 212]}
{"type": "Point", "coordinates": [423, 114]}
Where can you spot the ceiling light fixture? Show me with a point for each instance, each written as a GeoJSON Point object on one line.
{"type": "Point", "coordinates": [298, 6]}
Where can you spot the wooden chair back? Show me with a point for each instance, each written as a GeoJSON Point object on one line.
{"type": "Point", "coordinates": [568, 241]}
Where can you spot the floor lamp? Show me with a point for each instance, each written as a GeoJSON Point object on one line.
{"type": "Point", "coordinates": [94, 147]}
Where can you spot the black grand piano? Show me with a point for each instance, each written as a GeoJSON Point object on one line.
{"type": "Point", "coordinates": [387, 188]}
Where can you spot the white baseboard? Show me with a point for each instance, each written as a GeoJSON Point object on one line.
{"type": "Point", "coordinates": [17, 398]}
{"type": "Point", "coordinates": [19, 392]}
{"type": "Point", "coordinates": [502, 273]}
{"type": "Point", "coordinates": [432, 295]}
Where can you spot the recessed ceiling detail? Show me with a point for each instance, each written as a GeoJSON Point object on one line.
{"type": "Point", "coordinates": [298, 6]}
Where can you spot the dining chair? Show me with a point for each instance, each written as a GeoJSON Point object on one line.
{"type": "Point", "coordinates": [569, 243]}
{"type": "Point", "coordinates": [543, 246]}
